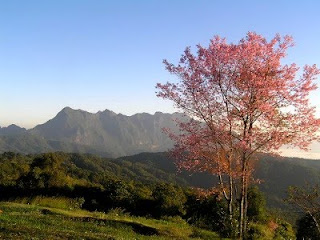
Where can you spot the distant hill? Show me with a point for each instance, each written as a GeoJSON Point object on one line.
{"type": "Point", "coordinates": [27, 143]}
{"type": "Point", "coordinates": [276, 173]}
{"type": "Point", "coordinates": [105, 133]}
{"type": "Point", "coordinates": [11, 130]}
{"type": "Point", "coordinates": [111, 135]}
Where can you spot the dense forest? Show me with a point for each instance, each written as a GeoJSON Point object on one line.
{"type": "Point", "coordinates": [148, 185]}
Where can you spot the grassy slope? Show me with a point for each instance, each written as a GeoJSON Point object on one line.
{"type": "Point", "coordinates": [22, 221]}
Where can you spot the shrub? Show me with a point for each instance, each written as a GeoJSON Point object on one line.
{"type": "Point", "coordinates": [284, 231]}
{"type": "Point", "coordinates": [169, 200]}
{"type": "Point", "coordinates": [258, 231]}
{"type": "Point", "coordinates": [256, 205]}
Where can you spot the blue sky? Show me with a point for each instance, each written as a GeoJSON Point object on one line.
{"type": "Point", "coordinates": [96, 55]}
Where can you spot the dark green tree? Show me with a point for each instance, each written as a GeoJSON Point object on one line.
{"type": "Point", "coordinates": [308, 200]}
{"type": "Point", "coordinates": [306, 228]}
{"type": "Point", "coordinates": [169, 200]}
{"type": "Point", "coordinates": [46, 171]}
{"type": "Point", "coordinates": [256, 205]}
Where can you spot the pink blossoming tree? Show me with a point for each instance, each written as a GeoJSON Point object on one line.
{"type": "Point", "coordinates": [242, 100]}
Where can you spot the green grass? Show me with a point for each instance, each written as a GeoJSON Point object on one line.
{"type": "Point", "coordinates": [23, 221]}
{"type": "Point", "coordinates": [53, 202]}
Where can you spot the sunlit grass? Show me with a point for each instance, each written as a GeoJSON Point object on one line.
{"type": "Point", "coordinates": [23, 221]}
{"type": "Point", "coordinates": [54, 202]}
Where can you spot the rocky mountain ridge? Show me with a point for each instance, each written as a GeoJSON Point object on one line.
{"type": "Point", "coordinates": [105, 133]}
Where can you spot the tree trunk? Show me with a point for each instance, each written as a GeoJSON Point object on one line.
{"type": "Point", "coordinates": [243, 200]}
{"type": "Point", "coordinates": [242, 203]}
{"type": "Point", "coordinates": [315, 221]}
{"type": "Point", "coordinates": [245, 210]}
{"type": "Point", "coordinates": [228, 197]}
{"type": "Point", "coordinates": [231, 202]}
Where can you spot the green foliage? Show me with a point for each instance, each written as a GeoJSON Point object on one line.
{"type": "Point", "coordinates": [284, 231]}
{"type": "Point", "coordinates": [209, 213]}
{"type": "Point", "coordinates": [280, 230]}
{"type": "Point", "coordinates": [13, 166]}
{"type": "Point", "coordinates": [169, 200]}
{"type": "Point", "coordinates": [150, 168]}
{"type": "Point", "coordinates": [46, 171]}
{"type": "Point", "coordinates": [118, 191]}
{"type": "Point", "coordinates": [92, 179]}
{"type": "Point", "coordinates": [22, 222]}
{"type": "Point", "coordinates": [142, 185]}
{"type": "Point", "coordinates": [258, 231]}
{"type": "Point", "coordinates": [256, 205]}
{"type": "Point", "coordinates": [279, 173]}
{"type": "Point", "coordinates": [53, 202]}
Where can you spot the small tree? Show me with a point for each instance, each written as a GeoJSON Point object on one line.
{"type": "Point", "coordinates": [168, 200]}
{"type": "Point", "coordinates": [256, 205]}
{"type": "Point", "coordinates": [241, 101]}
{"type": "Point", "coordinates": [308, 200]}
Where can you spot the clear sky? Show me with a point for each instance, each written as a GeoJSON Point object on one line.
{"type": "Point", "coordinates": [96, 55]}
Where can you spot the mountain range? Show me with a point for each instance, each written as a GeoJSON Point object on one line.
{"type": "Point", "coordinates": [105, 133]}
{"type": "Point", "coordinates": [108, 134]}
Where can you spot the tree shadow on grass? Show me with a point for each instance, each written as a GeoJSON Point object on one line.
{"type": "Point", "coordinates": [136, 227]}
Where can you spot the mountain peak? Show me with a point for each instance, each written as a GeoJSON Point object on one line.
{"type": "Point", "coordinates": [107, 112]}
{"type": "Point", "coordinates": [70, 111]}
{"type": "Point", "coordinates": [67, 109]}
{"type": "Point", "coordinates": [14, 126]}
{"type": "Point", "coordinates": [12, 129]}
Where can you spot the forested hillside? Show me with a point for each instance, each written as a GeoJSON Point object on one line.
{"type": "Point", "coordinates": [146, 184]}
{"type": "Point", "coordinates": [276, 174]}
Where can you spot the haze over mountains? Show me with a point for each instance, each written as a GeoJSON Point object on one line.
{"type": "Point", "coordinates": [115, 135]}
{"type": "Point", "coordinates": [11, 130]}
{"type": "Point", "coordinates": [105, 133]}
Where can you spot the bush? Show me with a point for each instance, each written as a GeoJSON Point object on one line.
{"type": "Point", "coordinates": [210, 213]}
{"type": "Point", "coordinates": [258, 231]}
{"type": "Point", "coordinates": [284, 231]}
{"type": "Point", "coordinates": [256, 205]}
{"type": "Point", "coordinates": [168, 200]}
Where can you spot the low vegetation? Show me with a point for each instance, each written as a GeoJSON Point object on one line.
{"type": "Point", "coordinates": [22, 221]}
{"type": "Point", "coordinates": [75, 196]}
